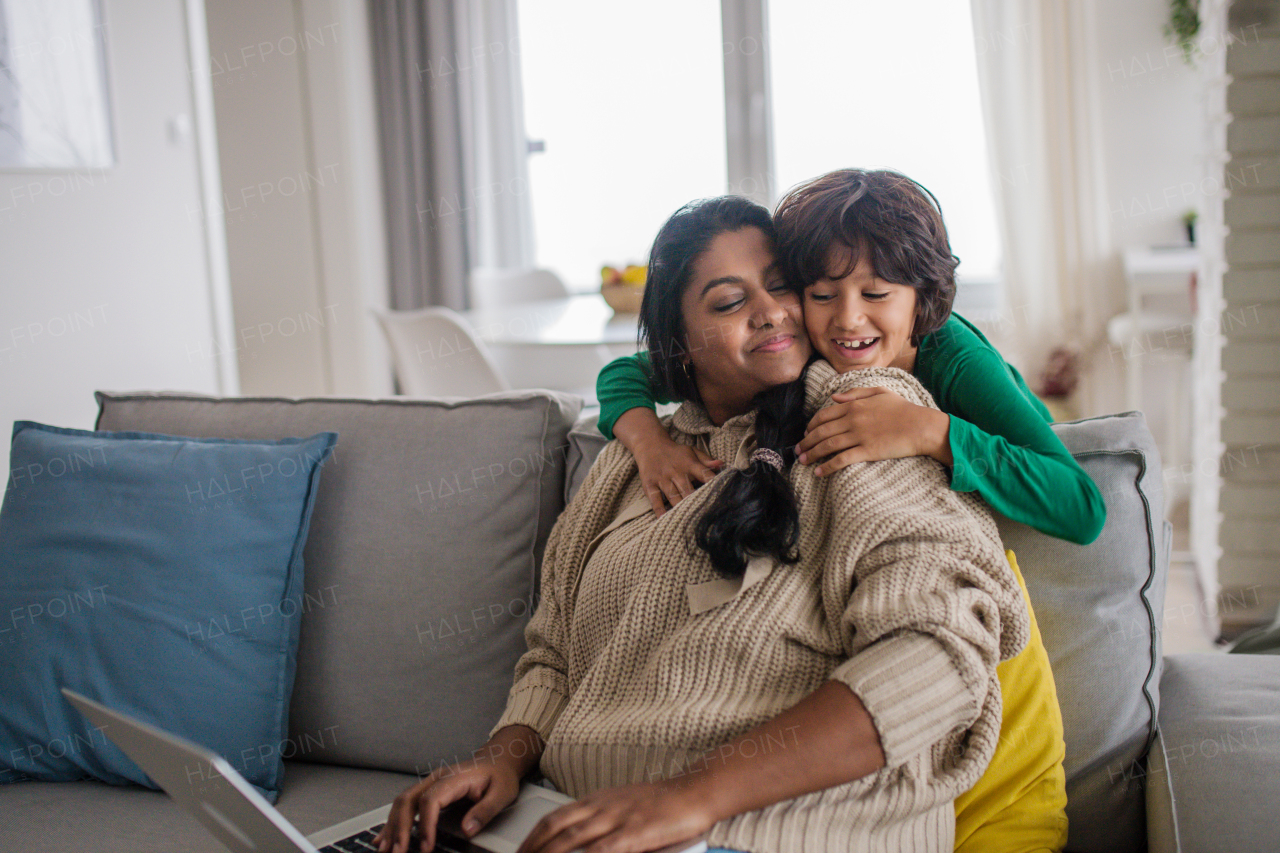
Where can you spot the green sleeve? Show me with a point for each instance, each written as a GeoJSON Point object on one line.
{"type": "Point", "coordinates": [624, 384]}
{"type": "Point", "coordinates": [1004, 449]}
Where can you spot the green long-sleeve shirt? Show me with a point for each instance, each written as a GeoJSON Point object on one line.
{"type": "Point", "coordinates": [1000, 439]}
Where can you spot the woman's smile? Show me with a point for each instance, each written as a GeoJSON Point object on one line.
{"type": "Point", "coordinates": [776, 343]}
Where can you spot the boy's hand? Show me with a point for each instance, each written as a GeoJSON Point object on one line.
{"type": "Point", "coordinates": [870, 424]}
{"type": "Point", "coordinates": [667, 470]}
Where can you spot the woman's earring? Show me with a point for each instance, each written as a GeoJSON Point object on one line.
{"type": "Point", "coordinates": [685, 365]}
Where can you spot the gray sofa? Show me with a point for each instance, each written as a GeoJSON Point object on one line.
{"type": "Point", "coordinates": [421, 569]}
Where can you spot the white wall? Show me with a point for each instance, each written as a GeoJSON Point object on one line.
{"type": "Point", "coordinates": [293, 94]}
{"type": "Point", "coordinates": [1152, 136]}
{"type": "Point", "coordinates": [105, 280]}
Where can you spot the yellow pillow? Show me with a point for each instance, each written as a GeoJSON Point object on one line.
{"type": "Point", "coordinates": [1020, 802]}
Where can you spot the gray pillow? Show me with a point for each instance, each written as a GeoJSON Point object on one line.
{"type": "Point", "coordinates": [585, 444]}
{"type": "Point", "coordinates": [1098, 606]}
{"type": "Point", "coordinates": [421, 563]}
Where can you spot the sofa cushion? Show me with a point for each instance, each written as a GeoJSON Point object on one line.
{"type": "Point", "coordinates": [1098, 606]}
{"type": "Point", "coordinates": [585, 444]}
{"type": "Point", "coordinates": [421, 564]}
{"type": "Point", "coordinates": [1213, 775]}
{"type": "Point", "coordinates": [161, 575]}
{"type": "Point", "coordinates": [108, 818]}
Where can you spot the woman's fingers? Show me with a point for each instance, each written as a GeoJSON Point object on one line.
{"type": "Point", "coordinates": [551, 825]}
{"type": "Point", "coordinates": [394, 835]}
{"type": "Point", "coordinates": [578, 835]}
{"type": "Point", "coordinates": [428, 814]}
{"type": "Point", "coordinates": [447, 789]}
{"type": "Point", "coordinates": [496, 798]}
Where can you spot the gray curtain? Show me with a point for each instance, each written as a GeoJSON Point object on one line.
{"type": "Point", "coordinates": [426, 169]}
{"type": "Point", "coordinates": [454, 153]}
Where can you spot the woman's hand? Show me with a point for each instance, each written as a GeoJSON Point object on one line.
{"type": "Point", "coordinates": [629, 819]}
{"type": "Point", "coordinates": [870, 424]}
{"type": "Point", "coordinates": [492, 783]}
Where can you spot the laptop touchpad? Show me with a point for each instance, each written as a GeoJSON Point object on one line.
{"type": "Point", "coordinates": [510, 826]}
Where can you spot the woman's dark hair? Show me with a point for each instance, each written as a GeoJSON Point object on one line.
{"type": "Point", "coordinates": [754, 510]}
{"type": "Point", "coordinates": [898, 221]}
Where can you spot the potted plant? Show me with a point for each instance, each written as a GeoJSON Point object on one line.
{"type": "Point", "coordinates": [1183, 26]}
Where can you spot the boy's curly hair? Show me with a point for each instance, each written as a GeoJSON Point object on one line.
{"type": "Point", "coordinates": [886, 213]}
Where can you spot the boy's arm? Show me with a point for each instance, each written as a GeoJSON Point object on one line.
{"type": "Point", "coordinates": [667, 470]}
{"type": "Point", "coordinates": [1003, 449]}
{"type": "Point", "coordinates": [623, 384]}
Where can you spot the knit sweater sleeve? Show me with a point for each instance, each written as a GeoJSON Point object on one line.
{"type": "Point", "coordinates": [915, 576]}
{"type": "Point", "coordinates": [541, 689]}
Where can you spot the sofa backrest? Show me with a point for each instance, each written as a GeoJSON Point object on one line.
{"type": "Point", "coordinates": [421, 564]}
{"type": "Point", "coordinates": [1099, 607]}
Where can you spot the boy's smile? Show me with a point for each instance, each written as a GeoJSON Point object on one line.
{"type": "Point", "coordinates": [860, 320]}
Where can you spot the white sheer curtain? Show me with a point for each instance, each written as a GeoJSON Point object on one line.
{"type": "Point", "coordinates": [451, 120]}
{"type": "Point", "coordinates": [1036, 61]}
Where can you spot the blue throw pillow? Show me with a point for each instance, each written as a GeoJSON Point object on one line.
{"type": "Point", "coordinates": [160, 575]}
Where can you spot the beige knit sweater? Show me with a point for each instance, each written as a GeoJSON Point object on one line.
{"type": "Point", "coordinates": [902, 593]}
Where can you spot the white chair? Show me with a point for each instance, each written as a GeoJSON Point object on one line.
{"type": "Point", "coordinates": [437, 355]}
{"type": "Point", "coordinates": [491, 286]}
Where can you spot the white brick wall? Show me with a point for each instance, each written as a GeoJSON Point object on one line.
{"type": "Point", "coordinates": [1249, 570]}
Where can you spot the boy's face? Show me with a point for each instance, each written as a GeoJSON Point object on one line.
{"type": "Point", "coordinates": [860, 320]}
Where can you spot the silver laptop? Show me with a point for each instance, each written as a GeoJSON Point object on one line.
{"type": "Point", "coordinates": [204, 784]}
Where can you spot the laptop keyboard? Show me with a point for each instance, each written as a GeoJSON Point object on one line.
{"type": "Point", "coordinates": [362, 842]}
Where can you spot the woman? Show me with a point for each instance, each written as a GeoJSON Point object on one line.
{"type": "Point", "coordinates": [783, 661]}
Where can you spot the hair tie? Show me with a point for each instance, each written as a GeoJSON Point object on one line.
{"type": "Point", "coordinates": [764, 454]}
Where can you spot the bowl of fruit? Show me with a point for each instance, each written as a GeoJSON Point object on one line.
{"type": "Point", "coordinates": [623, 288]}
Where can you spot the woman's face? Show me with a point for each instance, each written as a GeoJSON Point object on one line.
{"type": "Point", "coordinates": [745, 334]}
{"type": "Point", "coordinates": [860, 320]}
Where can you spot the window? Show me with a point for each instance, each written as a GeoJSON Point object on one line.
{"type": "Point", "coordinates": [890, 85]}
{"type": "Point", "coordinates": [629, 101]}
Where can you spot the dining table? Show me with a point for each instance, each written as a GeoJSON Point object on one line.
{"type": "Point", "coordinates": [559, 344]}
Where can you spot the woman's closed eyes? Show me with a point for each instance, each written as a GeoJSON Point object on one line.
{"type": "Point", "coordinates": [736, 300]}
